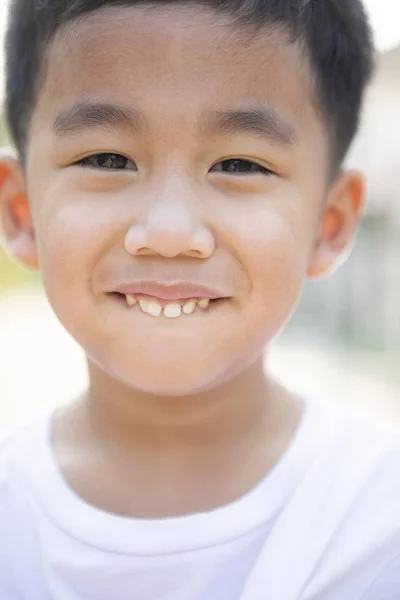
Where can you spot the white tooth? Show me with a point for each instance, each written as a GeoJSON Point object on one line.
{"type": "Point", "coordinates": [144, 305]}
{"type": "Point", "coordinates": [154, 309]}
{"type": "Point", "coordinates": [189, 307]}
{"type": "Point", "coordinates": [131, 301]}
{"type": "Point", "coordinates": [203, 303]}
{"type": "Point", "coordinates": [172, 311]}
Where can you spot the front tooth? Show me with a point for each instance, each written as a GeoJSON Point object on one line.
{"type": "Point", "coordinates": [131, 301]}
{"type": "Point", "coordinates": [189, 307]}
{"type": "Point", "coordinates": [144, 305]}
{"type": "Point", "coordinates": [203, 303]}
{"type": "Point", "coordinates": [154, 309]}
{"type": "Point", "coordinates": [172, 311]}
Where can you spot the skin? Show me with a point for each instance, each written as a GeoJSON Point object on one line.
{"type": "Point", "coordinates": [180, 407]}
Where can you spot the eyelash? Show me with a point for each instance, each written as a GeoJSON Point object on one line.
{"type": "Point", "coordinates": [254, 168]}
{"type": "Point", "coordinates": [90, 162]}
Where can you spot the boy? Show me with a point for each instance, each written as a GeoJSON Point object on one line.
{"type": "Point", "coordinates": [179, 177]}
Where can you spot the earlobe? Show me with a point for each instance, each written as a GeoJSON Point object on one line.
{"type": "Point", "coordinates": [15, 216]}
{"type": "Point", "coordinates": [338, 224]}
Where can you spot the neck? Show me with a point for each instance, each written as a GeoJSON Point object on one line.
{"type": "Point", "coordinates": [187, 454]}
{"type": "Point", "coordinates": [132, 417]}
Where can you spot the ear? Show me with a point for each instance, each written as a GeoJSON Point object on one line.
{"type": "Point", "coordinates": [15, 217]}
{"type": "Point", "coordinates": [338, 223]}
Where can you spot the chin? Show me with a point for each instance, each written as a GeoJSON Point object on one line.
{"type": "Point", "coordinates": [171, 389]}
{"type": "Point", "coordinates": [169, 378]}
{"type": "Point", "coordinates": [170, 382]}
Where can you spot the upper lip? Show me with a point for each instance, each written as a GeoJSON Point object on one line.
{"type": "Point", "coordinates": [169, 291]}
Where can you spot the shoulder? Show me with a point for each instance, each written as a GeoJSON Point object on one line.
{"type": "Point", "coordinates": [19, 553]}
{"type": "Point", "coordinates": [11, 454]}
{"type": "Point", "coordinates": [9, 451]}
{"type": "Point", "coordinates": [20, 456]}
{"type": "Point", "coordinates": [15, 453]}
{"type": "Point", "coordinates": [352, 439]}
{"type": "Point", "coordinates": [362, 457]}
{"type": "Point", "coordinates": [370, 447]}
{"type": "Point", "coordinates": [357, 506]}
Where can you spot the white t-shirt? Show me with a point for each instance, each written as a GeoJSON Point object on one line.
{"type": "Point", "coordinates": [323, 525]}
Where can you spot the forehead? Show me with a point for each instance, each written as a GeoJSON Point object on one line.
{"type": "Point", "coordinates": [176, 62]}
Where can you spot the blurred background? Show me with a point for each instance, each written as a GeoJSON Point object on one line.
{"type": "Point", "coordinates": [343, 343]}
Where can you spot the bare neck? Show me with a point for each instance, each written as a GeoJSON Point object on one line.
{"type": "Point", "coordinates": [185, 455]}
{"type": "Point", "coordinates": [219, 415]}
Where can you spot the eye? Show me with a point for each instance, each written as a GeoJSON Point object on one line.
{"type": "Point", "coordinates": [239, 166]}
{"type": "Point", "coordinates": [108, 161]}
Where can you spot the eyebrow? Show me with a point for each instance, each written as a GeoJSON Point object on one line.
{"type": "Point", "coordinates": [96, 115]}
{"type": "Point", "coordinates": [266, 123]}
{"type": "Point", "coordinates": [263, 122]}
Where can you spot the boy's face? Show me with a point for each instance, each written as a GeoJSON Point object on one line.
{"type": "Point", "coordinates": [205, 164]}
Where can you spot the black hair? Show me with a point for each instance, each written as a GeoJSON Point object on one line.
{"type": "Point", "coordinates": [335, 35]}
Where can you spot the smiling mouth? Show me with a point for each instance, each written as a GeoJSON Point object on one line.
{"type": "Point", "coordinates": [157, 307]}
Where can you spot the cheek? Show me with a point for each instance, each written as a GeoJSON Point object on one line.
{"type": "Point", "coordinates": [70, 238]}
{"type": "Point", "coordinates": [277, 257]}
{"type": "Point", "coordinates": [274, 251]}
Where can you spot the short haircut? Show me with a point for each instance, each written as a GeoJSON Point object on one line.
{"type": "Point", "coordinates": [334, 35]}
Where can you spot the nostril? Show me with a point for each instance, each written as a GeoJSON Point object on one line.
{"type": "Point", "coordinates": [144, 251]}
{"type": "Point", "coordinates": [194, 254]}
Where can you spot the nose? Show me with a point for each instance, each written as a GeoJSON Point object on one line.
{"type": "Point", "coordinates": [171, 227]}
